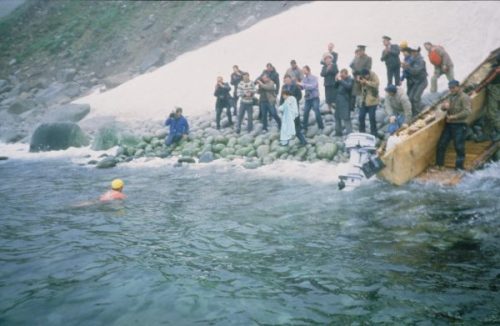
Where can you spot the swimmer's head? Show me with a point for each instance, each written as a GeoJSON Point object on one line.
{"type": "Point", "coordinates": [117, 184]}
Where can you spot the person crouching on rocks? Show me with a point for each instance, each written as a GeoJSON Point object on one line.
{"type": "Point", "coordinates": [116, 192]}
{"type": "Point", "coordinates": [289, 111]}
{"type": "Point", "coordinates": [179, 127]}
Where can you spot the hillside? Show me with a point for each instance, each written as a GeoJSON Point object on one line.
{"type": "Point", "coordinates": [279, 39]}
{"type": "Point", "coordinates": [82, 44]}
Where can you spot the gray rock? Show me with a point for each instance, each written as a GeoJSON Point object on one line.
{"type": "Point", "coordinates": [57, 136]}
{"type": "Point", "coordinates": [106, 163]}
{"type": "Point", "coordinates": [268, 160]}
{"type": "Point", "coordinates": [52, 95]}
{"type": "Point", "coordinates": [252, 164]}
{"type": "Point", "coordinates": [116, 80]}
{"type": "Point", "coordinates": [3, 158]}
{"type": "Point", "coordinates": [92, 162]}
{"type": "Point", "coordinates": [21, 106]}
{"type": "Point", "coordinates": [262, 151]}
{"type": "Point", "coordinates": [206, 157]}
{"type": "Point", "coordinates": [245, 140]}
{"type": "Point", "coordinates": [326, 151]}
{"type": "Point", "coordinates": [72, 89]}
{"type": "Point", "coordinates": [217, 148]}
{"type": "Point", "coordinates": [152, 59]}
{"type": "Point", "coordinates": [67, 113]}
{"type": "Point", "coordinates": [161, 133]}
{"type": "Point", "coordinates": [66, 75]}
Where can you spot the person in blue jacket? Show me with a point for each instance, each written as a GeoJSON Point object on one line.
{"type": "Point", "coordinates": [179, 127]}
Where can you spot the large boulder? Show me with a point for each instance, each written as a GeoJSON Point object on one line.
{"type": "Point", "coordinates": [66, 75]}
{"type": "Point", "coordinates": [67, 113]}
{"type": "Point", "coordinates": [107, 163]}
{"type": "Point", "coordinates": [57, 136]}
{"type": "Point", "coordinates": [326, 151]}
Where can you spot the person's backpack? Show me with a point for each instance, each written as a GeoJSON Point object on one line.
{"type": "Point", "coordinates": [435, 58]}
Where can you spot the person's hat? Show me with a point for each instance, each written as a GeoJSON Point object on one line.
{"type": "Point", "coordinates": [385, 37]}
{"type": "Point", "coordinates": [117, 184]}
{"type": "Point", "coordinates": [403, 45]}
{"type": "Point", "coordinates": [362, 47]}
{"type": "Point", "coordinates": [391, 89]}
{"type": "Point", "coordinates": [453, 83]}
{"type": "Point", "coordinates": [364, 72]}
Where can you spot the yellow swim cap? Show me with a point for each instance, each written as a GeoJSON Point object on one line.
{"type": "Point", "coordinates": [117, 184]}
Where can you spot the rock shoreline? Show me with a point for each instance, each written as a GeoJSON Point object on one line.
{"type": "Point", "coordinates": [205, 143]}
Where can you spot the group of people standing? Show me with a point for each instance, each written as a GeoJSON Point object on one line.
{"type": "Point", "coordinates": [343, 93]}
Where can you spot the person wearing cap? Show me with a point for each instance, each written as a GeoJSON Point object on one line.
{"type": "Point", "coordinates": [116, 192]}
{"type": "Point", "coordinates": [294, 71]}
{"type": "Point", "coordinates": [236, 77]}
{"type": "Point", "coordinates": [335, 55]}
{"type": "Point", "coordinates": [179, 127]}
{"type": "Point", "coordinates": [417, 79]}
{"type": "Point", "coordinates": [223, 101]}
{"type": "Point", "coordinates": [442, 63]}
{"type": "Point", "coordinates": [343, 84]}
{"type": "Point", "coordinates": [361, 61]}
{"type": "Point", "coordinates": [398, 108]}
{"type": "Point", "coordinates": [458, 108]}
{"type": "Point", "coordinates": [329, 73]}
{"type": "Point", "coordinates": [390, 55]}
{"type": "Point", "coordinates": [370, 99]}
{"type": "Point", "coordinates": [311, 88]}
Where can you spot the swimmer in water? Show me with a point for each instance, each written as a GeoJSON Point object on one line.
{"type": "Point", "coordinates": [116, 192]}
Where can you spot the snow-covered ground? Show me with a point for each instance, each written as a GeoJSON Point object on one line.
{"type": "Point", "coordinates": [468, 30]}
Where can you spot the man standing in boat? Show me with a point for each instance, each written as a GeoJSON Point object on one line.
{"type": "Point", "coordinates": [442, 63]}
{"type": "Point", "coordinates": [457, 108]}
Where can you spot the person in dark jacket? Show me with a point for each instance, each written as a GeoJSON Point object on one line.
{"type": "Point", "coordinates": [343, 84]}
{"type": "Point", "coordinates": [236, 77]}
{"type": "Point", "coordinates": [271, 72]}
{"type": "Point", "coordinates": [390, 55]}
{"type": "Point", "coordinates": [457, 108]}
{"type": "Point", "coordinates": [417, 79]}
{"type": "Point", "coordinates": [221, 92]}
{"type": "Point", "coordinates": [291, 87]}
{"type": "Point", "coordinates": [179, 127]}
{"type": "Point", "coordinates": [329, 73]}
{"type": "Point", "coordinates": [335, 55]}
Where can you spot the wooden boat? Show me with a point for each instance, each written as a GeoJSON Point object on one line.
{"type": "Point", "coordinates": [416, 150]}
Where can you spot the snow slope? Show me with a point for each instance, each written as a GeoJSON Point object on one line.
{"type": "Point", "coordinates": [468, 30]}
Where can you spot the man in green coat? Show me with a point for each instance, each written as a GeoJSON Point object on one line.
{"type": "Point", "coordinates": [457, 108]}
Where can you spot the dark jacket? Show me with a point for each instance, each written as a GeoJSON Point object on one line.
{"type": "Point", "coordinates": [360, 63]}
{"type": "Point", "coordinates": [222, 95]}
{"type": "Point", "coordinates": [329, 74]}
{"type": "Point", "coordinates": [178, 126]}
{"type": "Point", "coordinates": [235, 80]}
{"type": "Point", "coordinates": [417, 72]}
{"type": "Point", "coordinates": [391, 57]}
{"type": "Point", "coordinates": [343, 99]}
{"type": "Point", "coordinates": [460, 107]}
{"type": "Point", "coordinates": [294, 90]}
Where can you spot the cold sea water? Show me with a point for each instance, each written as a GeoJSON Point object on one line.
{"type": "Point", "coordinates": [220, 245]}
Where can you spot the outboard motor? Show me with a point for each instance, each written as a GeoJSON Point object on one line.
{"type": "Point", "coordinates": [363, 162]}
